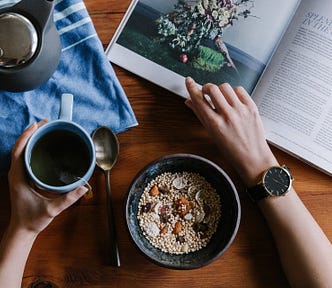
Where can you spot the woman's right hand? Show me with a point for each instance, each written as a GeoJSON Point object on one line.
{"type": "Point", "coordinates": [235, 125]}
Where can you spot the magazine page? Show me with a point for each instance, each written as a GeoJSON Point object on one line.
{"type": "Point", "coordinates": [210, 40]}
{"type": "Point", "coordinates": [294, 95]}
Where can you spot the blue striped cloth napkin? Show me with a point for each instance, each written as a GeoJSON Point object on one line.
{"type": "Point", "coordinates": [83, 71]}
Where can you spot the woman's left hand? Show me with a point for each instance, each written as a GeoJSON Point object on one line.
{"type": "Point", "coordinates": [30, 210]}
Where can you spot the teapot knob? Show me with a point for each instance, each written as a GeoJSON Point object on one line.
{"type": "Point", "coordinates": [18, 40]}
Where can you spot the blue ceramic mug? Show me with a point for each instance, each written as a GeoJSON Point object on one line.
{"type": "Point", "coordinates": [60, 155]}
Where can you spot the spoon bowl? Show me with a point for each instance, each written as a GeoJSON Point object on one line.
{"type": "Point", "coordinates": [107, 150]}
{"type": "Point", "coordinates": [106, 147]}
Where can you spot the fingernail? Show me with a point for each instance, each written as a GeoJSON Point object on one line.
{"type": "Point", "coordinates": [82, 189]}
{"type": "Point", "coordinates": [188, 103]}
{"type": "Point", "coordinates": [32, 127]}
{"type": "Point", "coordinates": [189, 80]}
{"type": "Point", "coordinates": [41, 122]}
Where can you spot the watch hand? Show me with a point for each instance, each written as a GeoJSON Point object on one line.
{"type": "Point", "coordinates": [279, 182]}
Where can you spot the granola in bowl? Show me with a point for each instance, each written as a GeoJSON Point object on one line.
{"type": "Point", "coordinates": [179, 212]}
{"type": "Point", "coordinates": [182, 211]}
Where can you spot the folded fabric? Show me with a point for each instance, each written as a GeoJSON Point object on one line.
{"type": "Point", "coordinates": [83, 71]}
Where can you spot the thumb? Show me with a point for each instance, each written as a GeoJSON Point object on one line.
{"type": "Point", "coordinates": [61, 203]}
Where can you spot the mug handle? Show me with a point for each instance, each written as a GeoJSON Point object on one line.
{"type": "Point", "coordinates": [66, 107]}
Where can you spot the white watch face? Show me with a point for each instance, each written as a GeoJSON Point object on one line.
{"type": "Point", "coordinates": [277, 181]}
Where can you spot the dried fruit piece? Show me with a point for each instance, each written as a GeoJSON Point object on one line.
{"type": "Point", "coordinates": [180, 239]}
{"type": "Point", "coordinates": [177, 227]}
{"type": "Point", "coordinates": [183, 201]}
{"type": "Point", "coordinates": [154, 191]}
{"type": "Point", "coordinates": [164, 209]}
{"type": "Point", "coordinates": [183, 206]}
{"type": "Point", "coordinates": [147, 207]}
{"type": "Point", "coordinates": [164, 229]}
{"type": "Point", "coordinates": [163, 218]}
{"type": "Point", "coordinates": [163, 188]}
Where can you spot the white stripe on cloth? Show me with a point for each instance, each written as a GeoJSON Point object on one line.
{"type": "Point", "coordinates": [74, 25]}
{"type": "Point", "coordinates": [79, 42]}
{"type": "Point", "coordinates": [68, 11]}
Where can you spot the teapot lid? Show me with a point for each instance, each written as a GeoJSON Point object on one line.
{"type": "Point", "coordinates": [18, 40]}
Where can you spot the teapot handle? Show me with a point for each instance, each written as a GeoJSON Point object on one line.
{"type": "Point", "coordinates": [40, 10]}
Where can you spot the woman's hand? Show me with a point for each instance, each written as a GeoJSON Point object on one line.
{"type": "Point", "coordinates": [30, 214]}
{"type": "Point", "coordinates": [30, 210]}
{"type": "Point", "coordinates": [235, 125]}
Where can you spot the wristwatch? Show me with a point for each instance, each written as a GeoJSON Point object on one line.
{"type": "Point", "coordinates": [276, 181]}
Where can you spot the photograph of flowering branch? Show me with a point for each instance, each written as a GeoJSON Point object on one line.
{"type": "Point", "coordinates": [195, 31]}
{"type": "Point", "coordinates": [210, 40]}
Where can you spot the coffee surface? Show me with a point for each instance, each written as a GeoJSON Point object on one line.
{"type": "Point", "coordinates": [60, 158]}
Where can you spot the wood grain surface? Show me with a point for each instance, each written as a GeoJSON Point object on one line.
{"type": "Point", "coordinates": [73, 250]}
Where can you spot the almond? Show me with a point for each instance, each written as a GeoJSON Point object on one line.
{"type": "Point", "coordinates": [177, 227]}
{"type": "Point", "coordinates": [185, 211]}
{"type": "Point", "coordinates": [154, 191]}
{"type": "Point", "coordinates": [183, 201]}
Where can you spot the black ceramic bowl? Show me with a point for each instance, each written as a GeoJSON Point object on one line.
{"type": "Point", "coordinates": [229, 219]}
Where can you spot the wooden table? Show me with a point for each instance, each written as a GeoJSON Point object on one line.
{"type": "Point", "coordinates": [73, 250]}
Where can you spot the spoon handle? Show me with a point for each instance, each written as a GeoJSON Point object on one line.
{"type": "Point", "coordinates": [115, 258]}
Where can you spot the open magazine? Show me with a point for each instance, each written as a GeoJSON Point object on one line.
{"type": "Point", "coordinates": [279, 51]}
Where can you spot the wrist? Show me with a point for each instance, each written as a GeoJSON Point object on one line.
{"type": "Point", "coordinates": [21, 232]}
{"type": "Point", "coordinates": [15, 247]}
{"type": "Point", "coordinates": [252, 172]}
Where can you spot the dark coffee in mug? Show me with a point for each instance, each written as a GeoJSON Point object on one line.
{"type": "Point", "coordinates": [60, 157]}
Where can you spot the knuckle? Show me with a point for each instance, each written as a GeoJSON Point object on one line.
{"type": "Point", "coordinates": [51, 211]}
{"type": "Point", "coordinates": [253, 109]}
{"type": "Point", "coordinates": [210, 88]}
{"type": "Point", "coordinates": [225, 86]}
{"type": "Point", "coordinates": [239, 89]}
